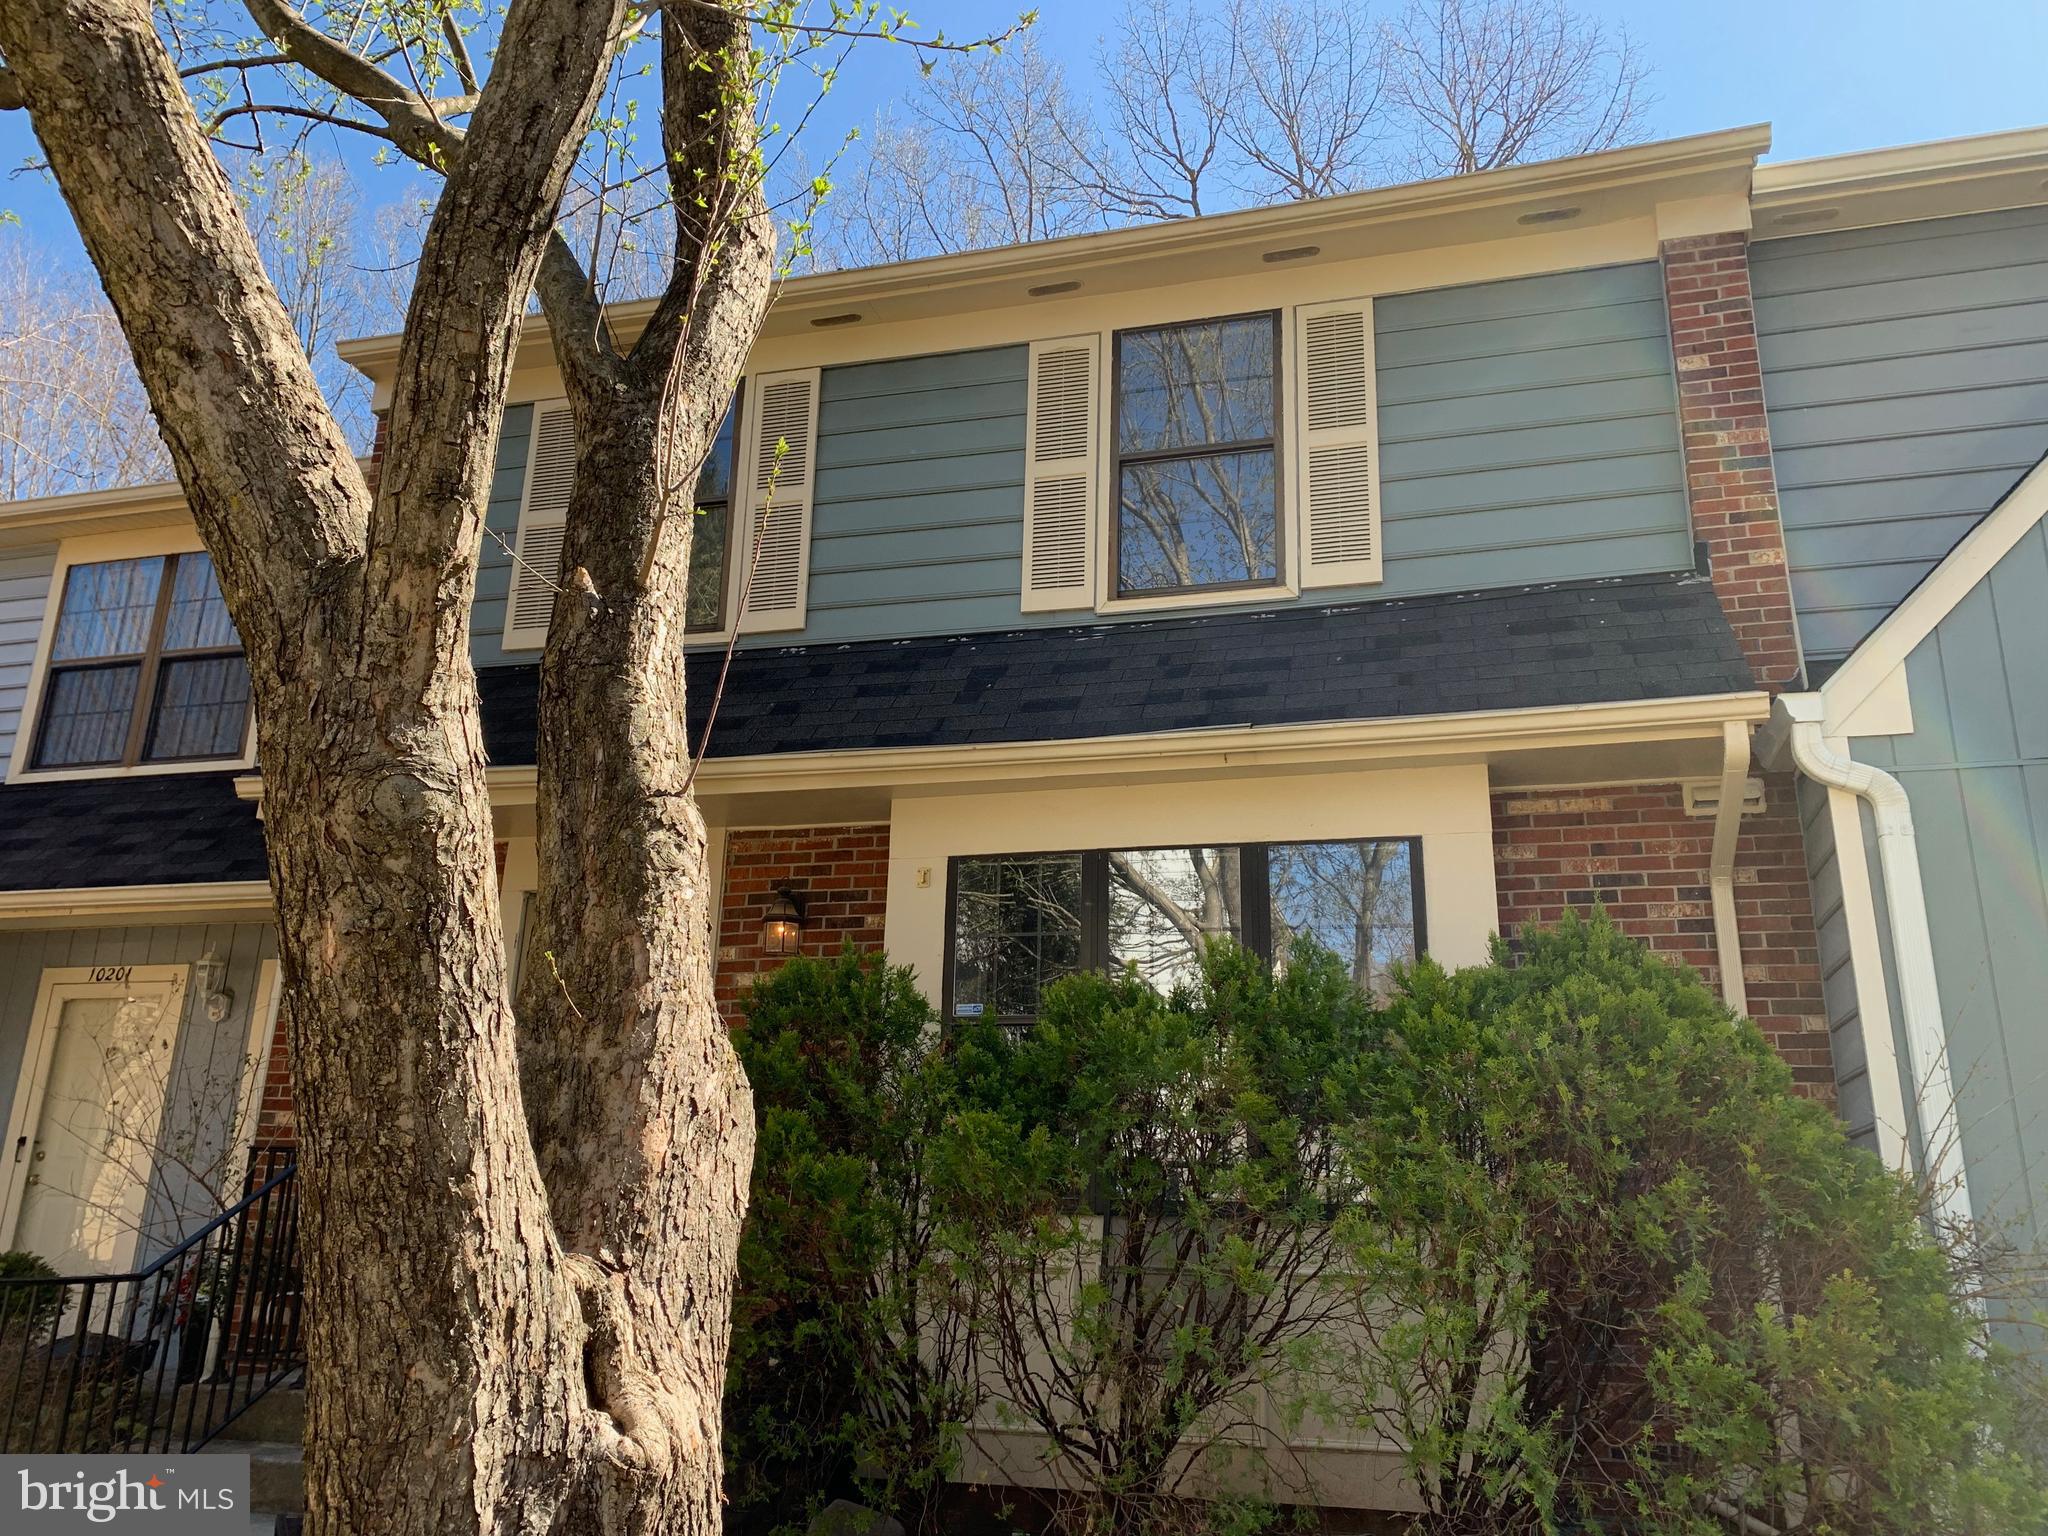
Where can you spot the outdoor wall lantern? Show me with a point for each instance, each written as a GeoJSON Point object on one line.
{"type": "Point", "coordinates": [783, 925]}
{"type": "Point", "coordinates": [210, 975]}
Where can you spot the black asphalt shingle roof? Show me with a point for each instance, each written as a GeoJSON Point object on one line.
{"type": "Point", "coordinates": [149, 829]}
{"type": "Point", "coordinates": [1631, 639]}
{"type": "Point", "coordinates": [1583, 643]}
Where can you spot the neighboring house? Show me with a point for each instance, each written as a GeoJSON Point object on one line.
{"type": "Point", "coordinates": [1905, 366]}
{"type": "Point", "coordinates": [1399, 568]}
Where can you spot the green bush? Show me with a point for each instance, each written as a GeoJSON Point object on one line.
{"type": "Point", "coordinates": [1614, 1272]}
{"type": "Point", "coordinates": [1145, 1209]}
{"type": "Point", "coordinates": [1558, 1226]}
{"type": "Point", "coordinates": [30, 1307]}
{"type": "Point", "coordinates": [848, 1376]}
{"type": "Point", "coordinates": [63, 1387]}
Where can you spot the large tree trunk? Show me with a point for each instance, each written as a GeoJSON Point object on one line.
{"type": "Point", "coordinates": [642, 1121]}
{"type": "Point", "coordinates": [466, 1372]}
{"type": "Point", "coordinates": [641, 1115]}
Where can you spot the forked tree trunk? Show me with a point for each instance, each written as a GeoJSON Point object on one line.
{"type": "Point", "coordinates": [499, 1340]}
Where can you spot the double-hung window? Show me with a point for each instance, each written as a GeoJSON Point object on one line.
{"type": "Point", "coordinates": [711, 533]}
{"type": "Point", "coordinates": [1217, 460]}
{"type": "Point", "coordinates": [144, 667]}
{"type": "Point", "coordinates": [1019, 922]}
{"type": "Point", "coordinates": [544, 518]}
{"type": "Point", "coordinates": [1197, 476]}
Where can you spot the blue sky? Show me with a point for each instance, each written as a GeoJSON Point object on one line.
{"type": "Point", "coordinates": [1828, 75]}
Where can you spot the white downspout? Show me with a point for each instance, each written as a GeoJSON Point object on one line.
{"type": "Point", "coordinates": [1928, 1084]}
{"type": "Point", "coordinates": [1721, 863]}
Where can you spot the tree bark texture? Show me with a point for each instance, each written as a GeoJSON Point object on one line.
{"type": "Point", "coordinates": [509, 1330]}
{"type": "Point", "coordinates": [641, 1115]}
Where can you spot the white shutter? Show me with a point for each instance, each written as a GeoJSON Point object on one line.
{"type": "Point", "coordinates": [543, 520]}
{"type": "Point", "coordinates": [782, 409]}
{"type": "Point", "coordinates": [1060, 428]}
{"type": "Point", "coordinates": [1337, 458]}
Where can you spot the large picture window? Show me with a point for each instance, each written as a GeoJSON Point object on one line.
{"type": "Point", "coordinates": [1019, 922]}
{"type": "Point", "coordinates": [1197, 462]}
{"type": "Point", "coordinates": [145, 667]}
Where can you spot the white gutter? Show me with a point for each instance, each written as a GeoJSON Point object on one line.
{"type": "Point", "coordinates": [1928, 1083]}
{"type": "Point", "coordinates": [1721, 863]}
{"type": "Point", "coordinates": [137, 903]}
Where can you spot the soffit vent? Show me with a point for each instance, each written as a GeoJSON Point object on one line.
{"type": "Point", "coordinates": [1703, 797]}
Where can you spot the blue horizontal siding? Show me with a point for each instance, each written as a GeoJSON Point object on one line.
{"type": "Point", "coordinates": [1906, 374]}
{"type": "Point", "coordinates": [1529, 432]}
{"type": "Point", "coordinates": [917, 519]}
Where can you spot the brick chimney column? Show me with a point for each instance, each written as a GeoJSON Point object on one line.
{"type": "Point", "coordinates": [1729, 477]}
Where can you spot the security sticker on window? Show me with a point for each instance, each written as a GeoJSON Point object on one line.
{"type": "Point", "coordinates": [206, 1495]}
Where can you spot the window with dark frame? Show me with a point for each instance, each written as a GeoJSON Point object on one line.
{"type": "Point", "coordinates": [1197, 410]}
{"type": "Point", "coordinates": [145, 667]}
{"type": "Point", "coordinates": [1016, 923]}
{"type": "Point", "coordinates": [711, 531]}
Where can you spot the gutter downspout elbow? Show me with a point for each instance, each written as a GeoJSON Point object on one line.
{"type": "Point", "coordinates": [1930, 1087]}
{"type": "Point", "coordinates": [1721, 864]}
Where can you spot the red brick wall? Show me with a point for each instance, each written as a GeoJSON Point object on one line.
{"type": "Point", "coordinates": [1633, 848]}
{"type": "Point", "coordinates": [840, 874]}
{"type": "Point", "coordinates": [1728, 471]}
{"type": "Point", "coordinates": [277, 1122]}
{"type": "Point", "coordinates": [373, 472]}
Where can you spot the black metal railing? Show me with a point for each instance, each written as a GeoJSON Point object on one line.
{"type": "Point", "coordinates": [165, 1358]}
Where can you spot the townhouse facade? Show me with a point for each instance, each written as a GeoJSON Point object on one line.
{"type": "Point", "coordinates": [1652, 529]}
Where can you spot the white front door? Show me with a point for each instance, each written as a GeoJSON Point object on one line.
{"type": "Point", "coordinates": [81, 1141]}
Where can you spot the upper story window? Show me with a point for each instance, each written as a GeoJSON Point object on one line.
{"type": "Point", "coordinates": [711, 534]}
{"type": "Point", "coordinates": [1211, 460]}
{"type": "Point", "coordinates": [544, 517]}
{"type": "Point", "coordinates": [144, 667]}
{"type": "Point", "coordinates": [1019, 922]}
{"type": "Point", "coordinates": [1197, 456]}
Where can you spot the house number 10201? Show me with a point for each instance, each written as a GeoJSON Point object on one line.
{"type": "Point", "coordinates": [112, 972]}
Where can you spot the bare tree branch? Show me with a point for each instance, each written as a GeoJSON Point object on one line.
{"type": "Point", "coordinates": [1197, 109]}
{"type": "Point", "coordinates": [1307, 116]}
{"type": "Point", "coordinates": [1488, 83]}
{"type": "Point", "coordinates": [73, 416]}
{"type": "Point", "coordinates": [1171, 82]}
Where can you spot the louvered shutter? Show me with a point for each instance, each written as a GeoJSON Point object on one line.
{"type": "Point", "coordinates": [543, 519]}
{"type": "Point", "coordinates": [1060, 423]}
{"type": "Point", "coordinates": [782, 409]}
{"type": "Point", "coordinates": [1337, 460]}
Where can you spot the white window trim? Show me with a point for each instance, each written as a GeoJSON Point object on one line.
{"type": "Point", "coordinates": [93, 549]}
{"type": "Point", "coordinates": [1288, 587]}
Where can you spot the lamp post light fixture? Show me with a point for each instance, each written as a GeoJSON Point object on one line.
{"type": "Point", "coordinates": [782, 928]}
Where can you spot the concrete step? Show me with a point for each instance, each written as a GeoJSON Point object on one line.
{"type": "Point", "coordinates": [277, 1474]}
{"type": "Point", "coordinates": [279, 1415]}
